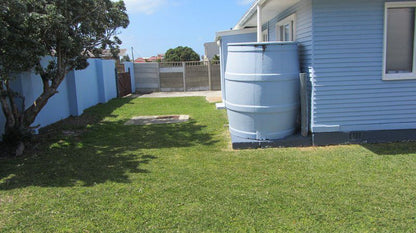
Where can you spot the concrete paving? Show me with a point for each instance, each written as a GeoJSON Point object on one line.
{"type": "Point", "coordinates": [150, 120]}
{"type": "Point", "coordinates": [179, 94]}
{"type": "Point", "coordinates": [210, 96]}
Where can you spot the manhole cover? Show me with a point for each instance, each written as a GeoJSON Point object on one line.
{"type": "Point", "coordinates": [149, 120]}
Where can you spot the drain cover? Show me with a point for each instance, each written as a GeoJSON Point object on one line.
{"type": "Point", "coordinates": [149, 120]}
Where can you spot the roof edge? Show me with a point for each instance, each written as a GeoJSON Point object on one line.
{"type": "Point", "coordinates": [248, 14]}
{"type": "Point", "coordinates": [220, 34]}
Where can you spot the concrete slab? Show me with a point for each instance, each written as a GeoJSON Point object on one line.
{"type": "Point", "coordinates": [220, 105]}
{"type": "Point", "coordinates": [149, 120]}
{"type": "Point", "coordinates": [214, 99]}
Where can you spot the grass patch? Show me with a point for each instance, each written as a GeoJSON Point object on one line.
{"type": "Point", "coordinates": [183, 177]}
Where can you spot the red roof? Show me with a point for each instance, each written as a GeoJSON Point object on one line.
{"type": "Point", "coordinates": [150, 59]}
{"type": "Point", "coordinates": [140, 60]}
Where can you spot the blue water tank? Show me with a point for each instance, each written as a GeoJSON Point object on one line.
{"type": "Point", "coordinates": [262, 89]}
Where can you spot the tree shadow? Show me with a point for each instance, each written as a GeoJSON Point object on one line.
{"type": "Point", "coordinates": [396, 148]}
{"type": "Point", "coordinates": [90, 116]}
{"type": "Point", "coordinates": [155, 136]}
{"type": "Point", "coordinates": [64, 168]}
{"type": "Point", "coordinates": [104, 151]}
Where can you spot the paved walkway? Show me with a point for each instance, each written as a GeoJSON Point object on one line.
{"type": "Point", "coordinates": [211, 96]}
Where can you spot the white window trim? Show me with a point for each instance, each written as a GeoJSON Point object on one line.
{"type": "Point", "coordinates": [265, 35]}
{"type": "Point", "coordinates": [285, 21]}
{"type": "Point", "coordinates": [401, 76]}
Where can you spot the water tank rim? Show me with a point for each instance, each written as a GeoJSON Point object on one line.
{"type": "Point", "coordinates": [261, 77]}
{"type": "Point", "coordinates": [277, 108]}
{"type": "Point", "coordinates": [263, 43]}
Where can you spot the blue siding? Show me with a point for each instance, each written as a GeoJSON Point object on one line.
{"type": "Point", "coordinates": [341, 48]}
{"type": "Point", "coordinates": [348, 91]}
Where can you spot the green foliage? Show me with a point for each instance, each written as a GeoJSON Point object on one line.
{"type": "Point", "coordinates": [215, 58]}
{"type": "Point", "coordinates": [68, 32]}
{"type": "Point", "coordinates": [181, 54]}
{"type": "Point", "coordinates": [125, 58]}
{"type": "Point", "coordinates": [20, 50]}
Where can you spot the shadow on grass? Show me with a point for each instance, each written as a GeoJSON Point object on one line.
{"type": "Point", "coordinates": [156, 136]}
{"type": "Point", "coordinates": [397, 148]}
{"type": "Point", "coordinates": [104, 152]}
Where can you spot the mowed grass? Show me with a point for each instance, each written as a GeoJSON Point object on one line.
{"type": "Point", "coordinates": [185, 178]}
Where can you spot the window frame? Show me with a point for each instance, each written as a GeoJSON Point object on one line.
{"type": "Point", "coordinates": [399, 76]}
{"type": "Point", "coordinates": [291, 19]}
{"type": "Point", "coordinates": [265, 35]}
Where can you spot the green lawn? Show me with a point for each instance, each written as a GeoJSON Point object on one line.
{"type": "Point", "coordinates": [185, 178]}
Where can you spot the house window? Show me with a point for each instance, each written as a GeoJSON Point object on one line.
{"type": "Point", "coordinates": [286, 29]}
{"type": "Point", "coordinates": [265, 35]}
{"type": "Point", "coordinates": [399, 41]}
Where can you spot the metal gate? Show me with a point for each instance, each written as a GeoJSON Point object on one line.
{"type": "Point", "coordinates": [123, 82]}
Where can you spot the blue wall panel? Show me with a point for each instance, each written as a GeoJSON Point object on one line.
{"type": "Point", "coordinates": [57, 108]}
{"type": "Point", "coordinates": [79, 90]}
{"type": "Point", "coordinates": [109, 78]}
{"type": "Point", "coordinates": [348, 91]}
{"type": "Point", "coordinates": [87, 83]}
{"type": "Point", "coordinates": [100, 81]}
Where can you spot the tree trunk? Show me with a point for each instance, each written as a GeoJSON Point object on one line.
{"type": "Point", "coordinates": [17, 129]}
{"type": "Point", "coordinates": [31, 113]}
{"type": "Point", "coordinates": [14, 131]}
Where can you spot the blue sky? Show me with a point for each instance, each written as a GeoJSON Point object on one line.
{"type": "Point", "coordinates": [157, 25]}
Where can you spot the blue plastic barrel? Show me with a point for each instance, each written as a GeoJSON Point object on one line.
{"type": "Point", "coordinates": [262, 89]}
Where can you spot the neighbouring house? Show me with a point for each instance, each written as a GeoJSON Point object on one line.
{"type": "Point", "coordinates": [360, 59]}
{"type": "Point", "coordinates": [211, 49]}
{"type": "Point", "coordinates": [106, 54]}
{"type": "Point", "coordinates": [140, 60]}
{"type": "Point", "coordinates": [157, 58]}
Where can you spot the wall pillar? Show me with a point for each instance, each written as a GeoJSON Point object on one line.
{"type": "Point", "coordinates": [100, 81]}
{"type": "Point", "coordinates": [72, 94]}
